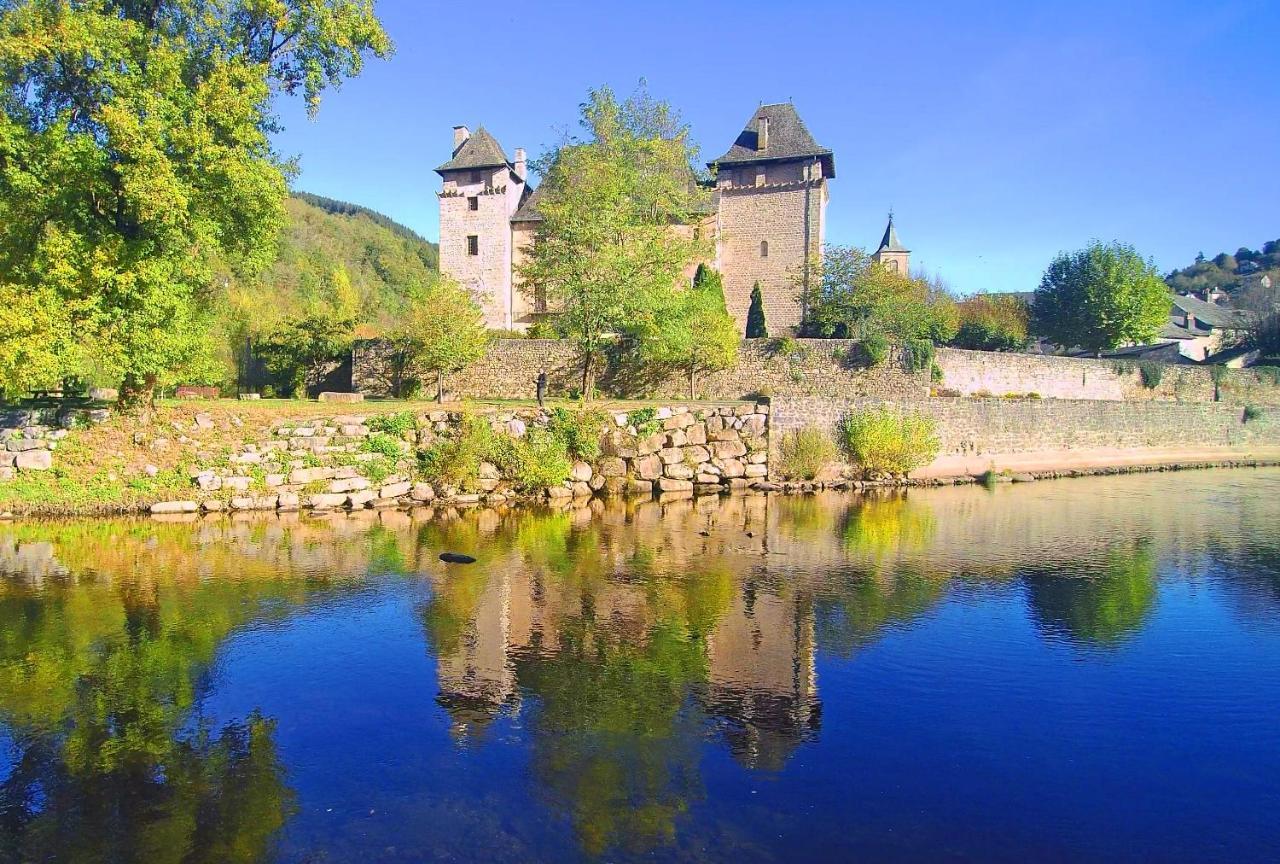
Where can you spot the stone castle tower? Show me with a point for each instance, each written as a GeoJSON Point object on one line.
{"type": "Point", "coordinates": [892, 254]}
{"type": "Point", "coordinates": [769, 219]}
{"type": "Point", "coordinates": [482, 191]}
{"type": "Point", "coordinates": [772, 201]}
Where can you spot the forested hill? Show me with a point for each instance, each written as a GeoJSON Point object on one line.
{"type": "Point", "coordinates": [334, 254]}
{"type": "Point", "coordinates": [1227, 271]}
{"type": "Point", "coordinates": [346, 208]}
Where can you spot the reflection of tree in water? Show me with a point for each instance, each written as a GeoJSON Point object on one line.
{"type": "Point", "coordinates": [855, 607]}
{"type": "Point", "coordinates": [1101, 610]}
{"type": "Point", "coordinates": [100, 681]}
{"type": "Point", "coordinates": [886, 525]}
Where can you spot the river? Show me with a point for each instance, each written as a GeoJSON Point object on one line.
{"type": "Point", "coordinates": [1058, 671]}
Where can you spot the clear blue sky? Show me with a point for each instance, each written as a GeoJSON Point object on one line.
{"type": "Point", "coordinates": [1001, 132]}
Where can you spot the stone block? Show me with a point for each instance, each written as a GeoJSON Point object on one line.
{"type": "Point", "coordinates": [7, 459]}
{"type": "Point", "coordinates": [671, 455]}
{"type": "Point", "coordinates": [274, 480]}
{"type": "Point", "coordinates": [326, 501]}
{"type": "Point", "coordinates": [288, 501]}
{"type": "Point", "coordinates": [647, 467]}
{"type": "Point", "coordinates": [677, 438]}
{"type": "Point", "coordinates": [620, 444]}
{"type": "Point", "coordinates": [254, 502]}
{"type": "Point", "coordinates": [696, 454]}
{"type": "Point", "coordinates": [33, 460]}
{"type": "Point", "coordinates": [345, 398]}
{"type": "Point", "coordinates": [559, 492]}
{"type": "Point", "coordinates": [22, 445]}
{"type": "Point", "coordinates": [164, 507]}
{"type": "Point", "coordinates": [678, 471]}
{"type": "Point", "coordinates": [696, 434]}
{"type": "Point", "coordinates": [725, 435]}
{"type": "Point", "coordinates": [213, 505]}
{"type": "Point", "coordinates": [702, 478]}
{"type": "Point", "coordinates": [311, 475]}
{"type": "Point", "coordinates": [678, 421]}
{"type": "Point", "coordinates": [422, 492]}
{"type": "Point", "coordinates": [581, 489]}
{"type": "Point", "coordinates": [754, 425]}
{"type": "Point", "coordinates": [728, 449]}
{"type": "Point", "coordinates": [350, 484]}
{"type": "Point", "coordinates": [651, 444]}
{"type": "Point", "coordinates": [361, 498]}
{"type": "Point", "coordinates": [611, 466]}
{"type": "Point", "coordinates": [395, 490]}
{"type": "Point", "coordinates": [639, 487]}
{"type": "Point", "coordinates": [580, 472]}
{"type": "Point", "coordinates": [354, 430]}
{"type": "Point", "coordinates": [757, 470]}
{"type": "Point", "coordinates": [670, 484]}
{"type": "Point", "coordinates": [733, 468]}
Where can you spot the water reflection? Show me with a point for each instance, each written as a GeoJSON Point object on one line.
{"type": "Point", "coordinates": [621, 643]}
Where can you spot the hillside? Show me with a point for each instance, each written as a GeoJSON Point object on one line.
{"type": "Point", "coordinates": [330, 250]}
{"type": "Point", "coordinates": [1228, 271]}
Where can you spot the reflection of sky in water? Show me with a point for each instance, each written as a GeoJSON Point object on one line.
{"type": "Point", "coordinates": [1083, 670]}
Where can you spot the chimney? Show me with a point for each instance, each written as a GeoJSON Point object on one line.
{"type": "Point", "coordinates": [460, 136]}
{"type": "Point", "coordinates": [762, 134]}
{"type": "Point", "coordinates": [522, 164]}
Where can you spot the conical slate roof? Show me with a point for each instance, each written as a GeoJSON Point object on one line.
{"type": "Point", "coordinates": [788, 139]}
{"type": "Point", "coordinates": [481, 150]}
{"type": "Point", "coordinates": [890, 242]}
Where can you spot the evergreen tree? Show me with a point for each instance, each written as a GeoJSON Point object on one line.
{"type": "Point", "coordinates": [709, 280]}
{"type": "Point", "coordinates": [756, 327]}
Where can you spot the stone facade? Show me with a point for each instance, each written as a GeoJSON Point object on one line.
{"type": "Point", "coordinates": [768, 223]}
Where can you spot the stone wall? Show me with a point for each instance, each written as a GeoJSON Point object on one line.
{"type": "Point", "coordinates": [985, 373]}
{"type": "Point", "coordinates": [980, 427]}
{"type": "Point", "coordinates": [766, 367]}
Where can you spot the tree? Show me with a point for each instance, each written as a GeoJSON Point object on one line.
{"type": "Point", "coordinates": [606, 254]}
{"type": "Point", "coordinates": [1100, 298]}
{"type": "Point", "coordinates": [298, 349]}
{"type": "Point", "coordinates": [1260, 314]}
{"type": "Point", "coordinates": [852, 296]}
{"type": "Point", "coordinates": [992, 322]}
{"type": "Point", "coordinates": [134, 140]}
{"type": "Point", "coordinates": [446, 331]}
{"type": "Point", "coordinates": [696, 333]}
{"type": "Point", "coordinates": [756, 326]}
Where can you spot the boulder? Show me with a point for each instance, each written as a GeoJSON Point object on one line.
{"type": "Point", "coordinates": [581, 489]}
{"type": "Point", "coordinates": [611, 466]}
{"type": "Point", "coordinates": [164, 507]}
{"type": "Point", "coordinates": [489, 471]}
{"type": "Point", "coordinates": [733, 468]}
{"type": "Point", "coordinates": [580, 472]}
{"type": "Point", "coordinates": [728, 449]}
{"type": "Point", "coordinates": [671, 455]}
{"type": "Point", "coordinates": [359, 499]}
{"type": "Point", "coordinates": [204, 421]}
{"type": "Point", "coordinates": [559, 492]}
{"type": "Point", "coordinates": [678, 471]}
{"type": "Point", "coordinates": [670, 484]}
{"type": "Point", "coordinates": [647, 467]}
{"type": "Point", "coordinates": [326, 501]}
{"type": "Point", "coordinates": [422, 492]}
{"type": "Point", "coordinates": [34, 460]}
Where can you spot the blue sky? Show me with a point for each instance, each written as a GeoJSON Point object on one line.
{"type": "Point", "coordinates": [1000, 133]}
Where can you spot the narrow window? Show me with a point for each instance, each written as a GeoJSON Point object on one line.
{"type": "Point", "coordinates": [764, 248]}
{"type": "Point", "coordinates": [473, 203]}
{"type": "Point", "coordinates": [473, 244]}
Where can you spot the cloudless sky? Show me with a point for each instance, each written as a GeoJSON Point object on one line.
{"type": "Point", "coordinates": [999, 132]}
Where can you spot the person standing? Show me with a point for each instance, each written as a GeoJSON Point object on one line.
{"type": "Point", "coordinates": [542, 386]}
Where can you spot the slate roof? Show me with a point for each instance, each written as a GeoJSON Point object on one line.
{"type": "Point", "coordinates": [788, 139]}
{"type": "Point", "coordinates": [528, 209]}
{"type": "Point", "coordinates": [1210, 314]}
{"type": "Point", "coordinates": [890, 242]}
{"type": "Point", "coordinates": [481, 150]}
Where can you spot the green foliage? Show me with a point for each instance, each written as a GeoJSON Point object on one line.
{"type": "Point", "coordinates": [398, 425]}
{"type": "Point", "coordinates": [445, 331]}
{"type": "Point", "coordinates": [543, 330]}
{"type": "Point", "coordinates": [757, 328]}
{"type": "Point", "coordinates": [645, 420]}
{"type": "Point", "coordinates": [936, 374]}
{"type": "Point", "coordinates": [538, 460]}
{"type": "Point", "coordinates": [1252, 412]}
{"type": "Point", "coordinates": [993, 322]}
{"type": "Point", "coordinates": [1100, 298]}
{"type": "Point", "coordinates": [1268, 375]}
{"type": "Point", "coordinates": [427, 252]}
{"type": "Point", "coordinates": [1152, 373]}
{"type": "Point", "coordinates": [885, 441]}
{"type": "Point", "coordinates": [851, 296]}
{"type": "Point", "coordinates": [1226, 271]}
{"type": "Point", "coordinates": [694, 333]}
{"type": "Point", "coordinates": [299, 350]}
{"type": "Point", "coordinates": [873, 350]}
{"type": "Point", "coordinates": [1219, 375]}
{"type": "Point", "coordinates": [605, 257]}
{"type": "Point", "coordinates": [918, 354]}
{"type": "Point", "coordinates": [1103, 611]}
{"type": "Point", "coordinates": [579, 430]}
{"type": "Point", "coordinates": [805, 452]}
{"type": "Point", "coordinates": [383, 443]}
{"type": "Point", "coordinates": [787, 346]}
{"type": "Point", "coordinates": [139, 171]}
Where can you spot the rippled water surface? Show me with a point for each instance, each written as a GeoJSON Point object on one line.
{"type": "Point", "coordinates": [1061, 671]}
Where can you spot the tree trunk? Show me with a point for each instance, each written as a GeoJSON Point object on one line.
{"type": "Point", "coordinates": [588, 379]}
{"type": "Point", "coordinates": [692, 373]}
{"type": "Point", "coordinates": [440, 388]}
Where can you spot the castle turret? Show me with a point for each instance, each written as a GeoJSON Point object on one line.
{"type": "Point", "coordinates": [772, 190]}
{"type": "Point", "coordinates": [482, 189]}
{"type": "Point", "coordinates": [892, 254]}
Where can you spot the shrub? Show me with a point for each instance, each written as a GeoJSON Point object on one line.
{"type": "Point", "coordinates": [873, 350]}
{"type": "Point", "coordinates": [805, 452]}
{"type": "Point", "coordinates": [1123, 367]}
{"type": "Point", "coordinates": [384, 444]}
{"type": "Point", "coordinates": [787, 346]}
{"type": "Point", "coordinates": [917, 354]}
{"type": "Point", "coordinates": [542, 461]}
{"type": "Point", "coordinates": [1218, 374]}
{"type": "Point", "coordinates": [645, 420]}
{"type": "Point", "coordinates": [579, 430]}
{"type": "Point", "coordinates": [398, 425]}
{"type": "Point", "coordinates": [1152, 373]}
{"type": "Point", "coordinates": [935, 373]}
{"type": "Point", "coordinates": [881, 440]}
{"type": "Point", "coordinates": [542, 330]}
{"type": "Point", "coordinates": [538, 460]}
{"type": "Point", "coordinates": [1252, 412]}
{"type": "Point", "coordinates": [456, 460]}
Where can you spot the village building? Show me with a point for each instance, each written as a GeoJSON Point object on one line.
{"type": "Point", "coordinates": [767, 220]}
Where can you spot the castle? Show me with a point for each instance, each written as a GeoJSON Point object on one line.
{"type": "Point", "coordinates": [768, 219]}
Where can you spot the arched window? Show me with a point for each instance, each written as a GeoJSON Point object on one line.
{"type": "Point", "coordinates": [893, 266]}
{"type": "Point", "coordinates": [764, 248]}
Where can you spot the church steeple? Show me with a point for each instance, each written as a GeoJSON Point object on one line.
{"type": "Point", "coordinates": [892, 254]}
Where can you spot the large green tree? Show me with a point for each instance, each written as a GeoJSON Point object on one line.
{"type": "Point", "coordinates": [619, 204]}
{"type": "Point", "coordinates": [445, 331]}
{"type": "Point", "coordinates": [1099, 298]}
{"type": "Point", "coordinates": [695, 333]}
{"type": "Point", "coordinates": [853, 296]}
{"type": "Point", "coordinates": [135, 163]}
